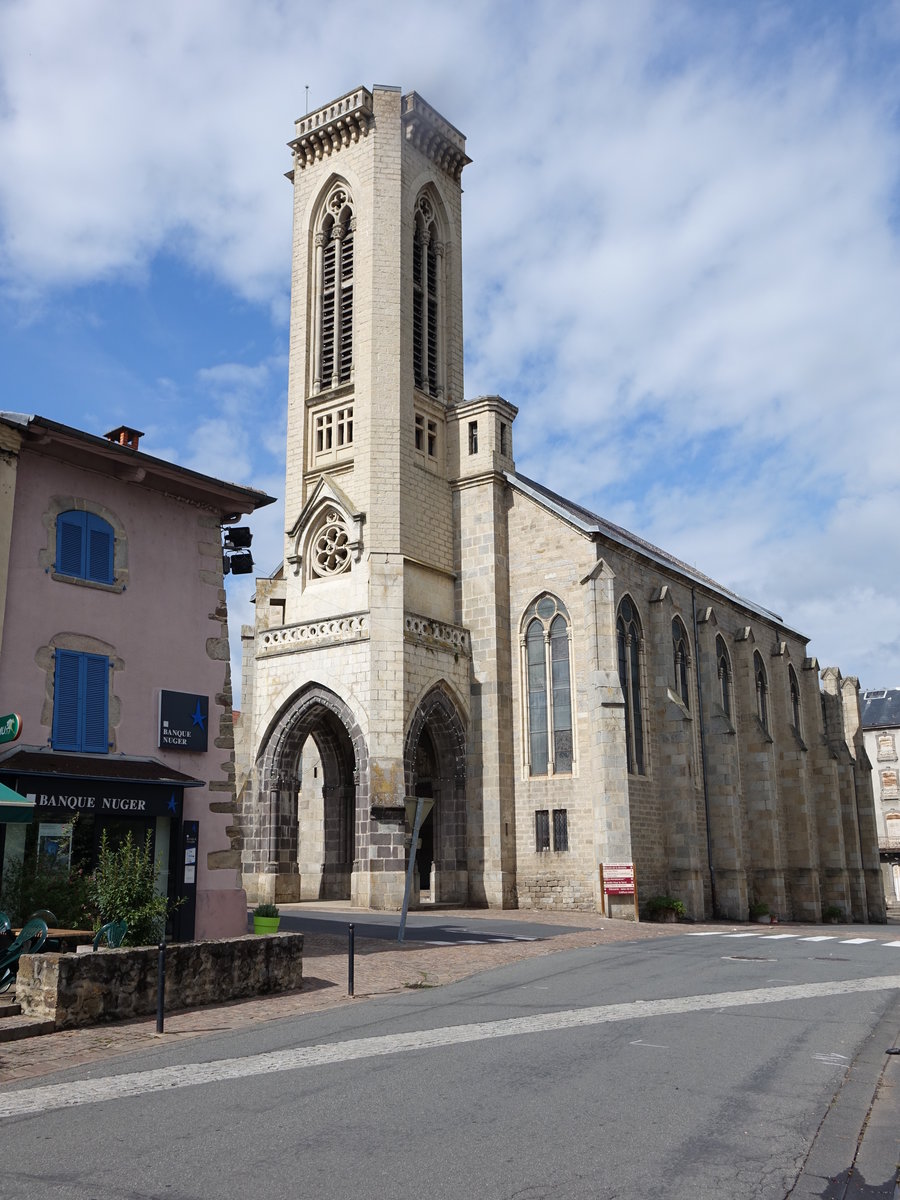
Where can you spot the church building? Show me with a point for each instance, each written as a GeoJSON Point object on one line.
{"type": "Point", "coordinates": [572, 700]}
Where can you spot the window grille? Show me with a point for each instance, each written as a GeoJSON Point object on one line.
{"type": "Point", "coordinates": [560, 829]}
{"type": "Point", "coordinates": [542, 830]}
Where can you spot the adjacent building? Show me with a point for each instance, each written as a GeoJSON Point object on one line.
{"type": "Point", "coordinates": [114, 657]}
{"type": "Point", "coordinates": [572, 701]}
{"type": "Point", "coordinates": [881, 727]}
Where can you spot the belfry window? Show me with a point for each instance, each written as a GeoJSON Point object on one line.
{"type": "Point", "coordinates": [723, 667]}
{"type": "Point", "coordinates": [762, 690]}
{"type": "Point", "coordinates": [427, 262]}
{"type": "Point", "coordinates": [680, 661]}
{"type": "Point", "coordinates": [548, 689]}
{"type": "Point", "coordinates": [628, 635]}
{"type": "Point", "coordinates": [333, 348]}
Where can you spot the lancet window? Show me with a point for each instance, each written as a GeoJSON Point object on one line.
{"type": "Point", "coordinates": [333, 341]}
{"type": "Point", "coordinates": [428, 254]}
{"type": "Point", "coordinates": [548, 688]}
{"type": "Point", "coordinates": [762, 690]}
{"type": "Point", "coordinates": [795, 699]}
{"type": "Point", "coordinates": [628, 634]}
{"type": "Point", "coordinates": [723, 668]}
{"type": "Point", "coordinates": [681, 660]}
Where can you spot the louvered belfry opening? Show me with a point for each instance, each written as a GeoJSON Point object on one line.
{"type": "Point", "coordinates": [426, 302]}
{"type": "Point", "coordinates": [335, 357]}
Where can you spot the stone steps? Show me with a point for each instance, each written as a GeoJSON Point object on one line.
{"type": "Point", "coordinates": [13, 1026]}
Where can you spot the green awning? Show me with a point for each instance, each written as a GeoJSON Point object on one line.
{"type": "Point", "coordinates": [13, 807]}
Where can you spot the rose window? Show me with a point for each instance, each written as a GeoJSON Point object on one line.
{"type": "Point", "coordinates": [330, 549]}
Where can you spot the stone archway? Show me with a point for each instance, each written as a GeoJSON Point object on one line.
{"type": "Point", "coordinates": [435, 765]}
{"type": "Point", "coordinates": [316, 735]}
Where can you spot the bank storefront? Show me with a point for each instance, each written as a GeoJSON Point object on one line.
{"type": "Point", "coordinates": [77, 799]}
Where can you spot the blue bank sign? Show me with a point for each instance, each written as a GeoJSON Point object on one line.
{"type": "Point", "coordinates": [183, 721]}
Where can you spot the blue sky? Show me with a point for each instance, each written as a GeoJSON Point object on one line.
{"type": "Point", "coordinates": [681, 256]}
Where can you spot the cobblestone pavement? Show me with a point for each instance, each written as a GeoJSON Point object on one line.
{"type": "Point", "coordinates": [381, 967]}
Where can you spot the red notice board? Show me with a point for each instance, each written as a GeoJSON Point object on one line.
{"type": "Point", "coordinates": [617, 879]}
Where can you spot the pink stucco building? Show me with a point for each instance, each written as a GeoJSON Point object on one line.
{"type": "Point", "coordinates": [114, 653]}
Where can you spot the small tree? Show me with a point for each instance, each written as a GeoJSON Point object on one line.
{"type": "Point", "coordinates": [125, 889]}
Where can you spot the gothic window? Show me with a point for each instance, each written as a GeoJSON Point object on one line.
{"type": "Point", "coordinates": [795, 699]}
{"type": "Point", "coordinates": [680, 661]}
{"type": "Point", "coordinates": [542, 829]}
{"type": "Point", "coordinates": [333, 348]}
{"type": "Point", "coordinates": [330, 551]}
{"type": "Point", "coordinates": [762, 690]}
{"type": "Point", "coordinates": [560, 829]}
{"type": "Point", "coordinates": [548, 688]}
{"type": "Point", "coordinates": [427, 258]}
{"type": "Point", "coordinates": [723, 668]}
{"type": "Point", "coordinates": [628, 634]}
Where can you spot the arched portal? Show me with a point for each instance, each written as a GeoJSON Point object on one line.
{"type": "Point", "coordinates": [435, 761]}
{"type": "Point", "coordinates": [313, 782]}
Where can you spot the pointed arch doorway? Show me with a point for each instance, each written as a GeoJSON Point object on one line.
{"type": "Point", "coordinates": [312, 774]}
{"type": "Point", "coordinates": [436, 770]}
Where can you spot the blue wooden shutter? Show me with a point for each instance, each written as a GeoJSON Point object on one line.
{"type": "Point", "coordinates": [95, 737]}
{"type": "Point", "coordinates": [100, 539]}
{"type": "Point", "coordinates": [70, 542]}
{"type": "Point", "coordinates": [66, 734]}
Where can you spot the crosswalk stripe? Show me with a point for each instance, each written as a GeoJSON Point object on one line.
{"type": "Point", "coordinates": [823, 937]}
{"type": "Point", "coordinates": [777, 937]}
{"type": "Point", "coordinates": [856, 941]}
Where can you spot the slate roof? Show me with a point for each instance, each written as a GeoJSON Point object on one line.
{"type": "Point", "coordinates": [592, 523]}
{"type": "Point", "coordinates": [880, 709]}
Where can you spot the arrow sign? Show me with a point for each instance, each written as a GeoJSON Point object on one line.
{"type": "Point", "coordinates": [10, 727]}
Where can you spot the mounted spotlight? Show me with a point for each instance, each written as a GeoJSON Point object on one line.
{"type": "Point", "coordinates": [238, 564]}
{"type": "Point", "coordinates": [238, 538]}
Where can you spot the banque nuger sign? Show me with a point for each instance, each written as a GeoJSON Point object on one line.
{"type": "Point", "coordinates": [109, 798]}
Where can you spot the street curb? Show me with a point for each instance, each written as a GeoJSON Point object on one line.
{"type": "Point", "coordinates": [858, 1141]}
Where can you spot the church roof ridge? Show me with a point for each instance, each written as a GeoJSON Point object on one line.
{"type": "Point", "coordinates": [592, 522]}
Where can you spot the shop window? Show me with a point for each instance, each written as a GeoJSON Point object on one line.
{"type": "Point", "coordinates": [84, 547]}
{"type": "Point", "coordinates": [81, 702]}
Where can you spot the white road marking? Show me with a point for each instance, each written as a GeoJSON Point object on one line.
{"type": "Point", "coordinates": [648, 1045]}
{"type": "Point", "coordinates": [823, 937]}
{"type": "Point", "coordinates": [856, 941]}
{"type": "Point", "coordinates": [892, 943]}
{"type": "Point", "coordinates": [833, 1060]}
{"type": "Point", "coordinates": [705, 933]}
{"type": "Point", "coordinates": [736, 935]}
{"type": "Point", "coordinates": [115, 1087]}
{"type": "Point", "coordinates": [777, 937]}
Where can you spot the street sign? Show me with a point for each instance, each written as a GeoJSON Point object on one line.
{"type": "Point", "coordinates": [617, 879]}
{"type": "Point", "coordinates": [10, 727]}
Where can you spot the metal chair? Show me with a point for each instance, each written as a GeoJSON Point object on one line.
{"type": "Point", "coordinates": [29, 941]}
{"type": "Point", "coordinates": [113, 931]}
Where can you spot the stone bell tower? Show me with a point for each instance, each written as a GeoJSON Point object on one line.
{"type": "Point", "coordinates": [359, 629]}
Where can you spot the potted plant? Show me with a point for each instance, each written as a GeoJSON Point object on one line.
{"type": "Point", "coordinates": [664, 908]}
{"type": "Point", "coordinates": [832, 914]}
{"type": "Point", "coordinates": [759, 912]}
{"type": "Point", "coordinates": [266, 918]}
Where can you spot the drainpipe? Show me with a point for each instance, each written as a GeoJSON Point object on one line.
{"type": "Point", "coordinates": [703, 763]}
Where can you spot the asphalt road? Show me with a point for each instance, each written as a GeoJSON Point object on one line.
{"type": "Point", "coordinates": [432, 929]}
{"type": "Point", "coordinates": [684, 1068]}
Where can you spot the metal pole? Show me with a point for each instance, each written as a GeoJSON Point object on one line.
{"type": "Point", "coordinates": [161, 988]}
{"type": "Point", "coordinates": [420, 804]}
{"type": "Point", "coordinates": [350, 959]}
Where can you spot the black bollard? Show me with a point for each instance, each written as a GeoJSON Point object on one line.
{"type": "Point", "coordinates": [350, 959]}
{"type": "Point", "coordinates": [161, 988]}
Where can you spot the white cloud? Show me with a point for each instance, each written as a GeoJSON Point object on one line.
{"type": "Point", "coordinates": [681, 245]}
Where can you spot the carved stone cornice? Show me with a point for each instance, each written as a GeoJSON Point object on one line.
{"type": "Point", "coordinates": [326, 131]}
{"type": "Point", "coordinates": [435, 137]}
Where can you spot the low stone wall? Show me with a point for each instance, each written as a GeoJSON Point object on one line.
{"type": "Point", "coordinates": [113, 985]}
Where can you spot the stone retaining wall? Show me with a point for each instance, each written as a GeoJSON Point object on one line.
{"type": "Point", "coordinates": [113, 985]}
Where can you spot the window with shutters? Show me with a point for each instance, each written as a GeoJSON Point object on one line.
{"type": "Point", "coordinates": [333, 286]}
{"type": "Point", "coordinates": [80, 702]}
{"type": "Point", "coordinates": [85, 546]}
{"type": "Point", "coordinates": [546, 662]}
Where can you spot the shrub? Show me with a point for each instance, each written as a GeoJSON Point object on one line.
{"type": "Point", "coordinates": [832, 912]}
{"type": "Point", "coordinates": [124, 888]}
{"type": "Point", "coordinates": [265, 910]}
{"type": "Point", "coordinates": [658, 906]}
{"type": "Point", "coordinates": [30, 886]}
{"type": "Point", "coordinates": [759, 909]}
